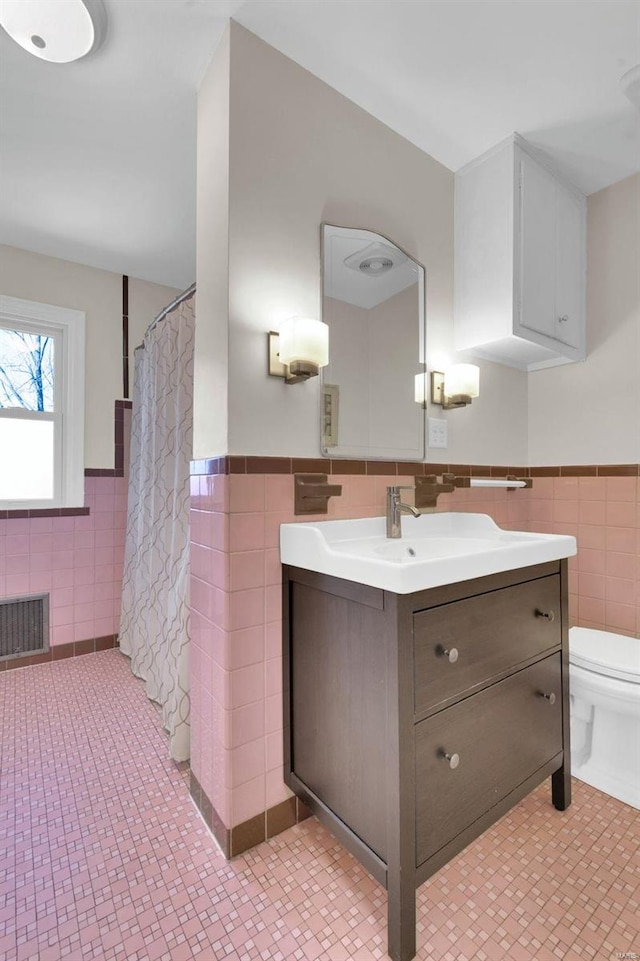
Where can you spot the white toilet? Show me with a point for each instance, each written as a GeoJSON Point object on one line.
{"type": "Point", "coordinates": [605, 712]}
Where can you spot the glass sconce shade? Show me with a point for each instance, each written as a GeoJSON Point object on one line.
{"type": "Point", "coordinates": [420, 388]}
{"type": "Point", "coordinates": [462, 379]}
{"type": "Point", "coordinates": [304, 341]}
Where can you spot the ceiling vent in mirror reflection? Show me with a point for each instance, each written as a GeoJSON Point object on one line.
{"type": "Point", "coordinates": [365, 272]}
{"type": "Point", "coordinates": [376, 259]}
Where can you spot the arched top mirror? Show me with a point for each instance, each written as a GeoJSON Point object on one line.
{"type": "Point", "coordinates": [373, 299]}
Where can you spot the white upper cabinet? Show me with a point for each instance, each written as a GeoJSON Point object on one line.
{"type": "Point", "coordinates": [520, 236]}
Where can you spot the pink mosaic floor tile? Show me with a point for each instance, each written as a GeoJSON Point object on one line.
{"type": "Point", "coordinates": [103, 857]}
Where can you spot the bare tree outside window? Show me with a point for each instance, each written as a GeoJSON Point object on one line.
{"type": "Point", "coordinates": [26, 370]}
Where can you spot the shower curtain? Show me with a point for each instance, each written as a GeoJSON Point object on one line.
{"type": "Point", "coordinates": [154, 625]}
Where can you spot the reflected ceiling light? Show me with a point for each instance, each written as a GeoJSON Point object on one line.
{"type": "Point", "coordinates": [56, 30]}
{"type": "Point", "coordinates": [299, 350]}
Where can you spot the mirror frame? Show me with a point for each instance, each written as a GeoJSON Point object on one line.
{"type": "Point", "coordinates": [422, 349]}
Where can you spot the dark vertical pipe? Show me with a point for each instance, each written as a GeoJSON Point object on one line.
{"type": "Point", "coordinates": [125, 336]}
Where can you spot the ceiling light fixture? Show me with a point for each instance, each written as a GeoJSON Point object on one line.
{"type": "Point", "coordinates": [60, 31]}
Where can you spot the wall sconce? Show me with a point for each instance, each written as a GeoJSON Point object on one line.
{"type": "Point", "coordinates": [456, 387]}
{"type": "Point", "coordinates": [299, 350]}
{"type": "Point", "coordinates": [420, 388]}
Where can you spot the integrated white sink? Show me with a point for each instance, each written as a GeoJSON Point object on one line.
{"type": "Point", "coordinates": [434, 549]}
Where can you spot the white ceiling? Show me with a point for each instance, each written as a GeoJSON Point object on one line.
{"type": "Point", "coordinates": [98, 156]}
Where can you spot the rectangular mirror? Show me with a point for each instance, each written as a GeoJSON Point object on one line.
{"type": "Point", "coordinates": [373, 300]}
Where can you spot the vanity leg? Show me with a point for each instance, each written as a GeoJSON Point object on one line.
{"type": "Point", "coordinates": [401, 920]}
{"type": "Point", "coordinates": [561, 788]}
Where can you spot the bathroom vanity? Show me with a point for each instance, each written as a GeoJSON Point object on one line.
{"type": "Point", "coordinates": [414, 719]}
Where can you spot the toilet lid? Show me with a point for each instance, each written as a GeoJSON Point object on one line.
{"type": "Point", "coordinates": [605, 653]}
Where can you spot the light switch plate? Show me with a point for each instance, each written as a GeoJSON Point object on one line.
{"type": "Point", "coordinates": [437, 432]}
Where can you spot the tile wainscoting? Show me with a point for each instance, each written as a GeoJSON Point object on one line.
{"type": "Point", "coordinates": [75, 555]}
{"type": "Point", "coordinates": [236, 512]}
{"type": "Point", "coordinates": [77, 560]}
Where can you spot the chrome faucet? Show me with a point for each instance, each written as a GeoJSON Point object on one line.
{"type": "Point", "coordinates": [395, 508]}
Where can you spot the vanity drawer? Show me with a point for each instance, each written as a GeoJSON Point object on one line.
{"type": "Point", "coordinates": [489, 633]}
{"type": "Point", "coordinates": [502, 736]}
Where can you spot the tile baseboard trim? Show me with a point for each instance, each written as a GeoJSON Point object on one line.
{"type": "Point", "coordinates": [238, 464]}
{"type": "Point", "coordinates": [236, 840]}
{"type": "Point", "coordinates": [59, 652]}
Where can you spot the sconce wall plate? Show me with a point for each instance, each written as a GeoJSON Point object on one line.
{"type": "Point", "coordinates": [297, 373]}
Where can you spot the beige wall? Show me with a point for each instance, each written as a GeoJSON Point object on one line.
{"type": "Point", "coordinates": [210, 418]}
{"type": "Point", "coordinates": [300, 154]}
{"type": "Point", "coordinates": [99, 294]}
{"type": "Point", "coordinates": [590, 413]}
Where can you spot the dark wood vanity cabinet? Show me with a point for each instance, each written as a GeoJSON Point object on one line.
{"type": "Point", "coordinates": [413, 722]}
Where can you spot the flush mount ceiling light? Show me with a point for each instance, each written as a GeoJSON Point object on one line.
{"type": "Point", "coordinates": [56, 30]}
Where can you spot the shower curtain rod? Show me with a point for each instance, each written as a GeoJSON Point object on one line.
{"type": "Point", "coordinates": [189, 292]}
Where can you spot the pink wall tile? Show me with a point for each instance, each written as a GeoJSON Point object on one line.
{"type": "Point", "coordinates": [247, 800]}
{"type": "Point", "coordinates": [621, 514]}
{"type": "Point", "coordinates": [591, 488]}
{"type": "Point", "coordinates": [591, 562]}
{"type": "Point", "coordinates": [272, 566]}
{"type": "Point", "coordinates": [621, 488]}
{"type": "Point", "coordinates": [621, 565]}
{"type": "Point", "coordinates": [246, 570]}
{"type": "Point", "coordinates": [565, 488]}
{"type": "Point", "coordinates": [566, 511]}
{"type": "Point", "coordinates": [246, 686]}
{"type": "Point", "coordinates": [246, 532]}
{"type": "Point", "coordinates": [621, 616]}
{"type": "Point", "coordinates": [624, 539]}
{"type": "Point", "coordinates": [591, 609]}
{"type": "Point", "coordinates": [591, 536]}
{"type": "Point", "coordinates": [591, 585]}
{"type": "Point", "coordinates": [246, 608]}
{"type": "Point", "coordinates": [246, 724]}
{"type": "Point", "coordinates": [247, 762]}
{"type": "Point", "coordinates": [621, 590]}
{"type": "Point", "coordinates": [247, 493]}
{"type": "Point", "coordinates": [276, 791]}
{"type": "Point", "coordinates": [279, 492]}
{"type": "Point", "coordinates": [214, 493]}
{"type": "Point", "coordinates": [245, 647]}
{"type": "Point", "coordinates": [592, 512]}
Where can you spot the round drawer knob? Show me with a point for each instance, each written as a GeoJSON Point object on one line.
{"type": "Point", "coordinates": [548, 615]}
{"type": "Point", "coordinates": [564, 319]}
{"type": "Point", "coordinates": [551, 698]}
{"type": "Point", "coordinates": [452, 759]}
{"type": "Point", "coordinates": [451, 655]}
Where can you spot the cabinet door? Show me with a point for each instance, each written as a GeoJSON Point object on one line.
{"type": "Point", "coordinates": [536, 289]}
{"type": "Point", "coordinates": [569, 279]}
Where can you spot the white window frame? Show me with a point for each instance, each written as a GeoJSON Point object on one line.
{"type": "Point", "coordinates": [67, 326]}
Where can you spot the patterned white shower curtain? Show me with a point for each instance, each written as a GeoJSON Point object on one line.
{"type": "Point", "coordinates": [154, 624]}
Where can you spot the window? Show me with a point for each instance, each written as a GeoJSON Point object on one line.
{"type": "Point", "coordinates": [41, 405]}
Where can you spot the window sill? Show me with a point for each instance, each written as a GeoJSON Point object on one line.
{"type": "Point", "coordinates": [43, 512]}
